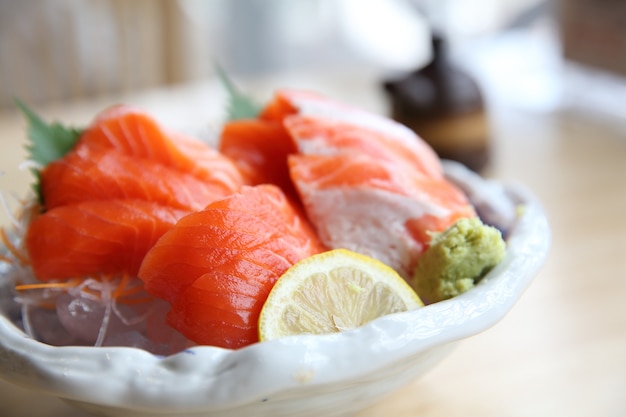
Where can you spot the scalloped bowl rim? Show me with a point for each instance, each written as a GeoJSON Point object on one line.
{"type": "Point", "coordinates": [211, 378]}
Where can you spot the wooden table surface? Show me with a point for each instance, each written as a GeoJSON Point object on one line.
{"type": "Point", "coordinates": [561, 351]}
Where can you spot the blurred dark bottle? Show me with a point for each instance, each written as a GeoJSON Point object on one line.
{"type": "Point", "coordinates": [445, 107]}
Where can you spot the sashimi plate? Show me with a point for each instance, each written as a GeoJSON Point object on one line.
{"type": "Point", "coordinates": [328, 375]}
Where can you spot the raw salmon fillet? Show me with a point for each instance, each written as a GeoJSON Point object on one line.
{"type": "Point", "coordinates": [125, 164]}
{"type": "Point", "coordinates": [94, 238]}
{"type": "Point", "coordinates": [319, 125]}
{"type": "Point", "coordinates": [126, 153]}
{"type": "Point", "coordinates": [217, 266]}
{"type": "Point", "coordinates": [366, 182]}
{"type": "Point", "coordinates": [365, 205]}
{"type": "Point", "coordinates": [260, 149]}
{"type": "Point", "coordinates": [95, 174]}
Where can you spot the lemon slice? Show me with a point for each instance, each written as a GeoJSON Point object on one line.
{"type": "Point", "coordinates": [331, 292]}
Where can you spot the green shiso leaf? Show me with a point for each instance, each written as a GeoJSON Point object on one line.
{"type": "Point", "coordinates": [47, 142]}
{"type": "Point", "coordinates": [239, 105]}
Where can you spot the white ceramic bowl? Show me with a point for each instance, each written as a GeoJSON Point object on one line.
{"type": "Point", "coordinates": [330, 375]}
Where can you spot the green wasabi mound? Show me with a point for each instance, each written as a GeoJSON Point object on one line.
{"type": "Point", "coordinates": [457, 259]}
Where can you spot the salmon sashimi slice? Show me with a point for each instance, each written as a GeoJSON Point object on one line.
{"type": "Point", "coordinates": [281, 105]}
{"type": "Point", "coordinates": [308, 108]}
{"type": "Point", "coordinates": [133, 132]}
{"type": "Point", "coordinates": [366, 205]}
{"type": "Point", "coordinates": [92, 238]}
{"type": "Point", "coordinates": [260, 149]}
{"type": "Point", "coordinates": [97, 174]}
{"type": "Point", "coordinates": [366, 182]}
{"type": "Point", "coordinates": [315, 135]}
{"type": "Point", "coordinates": [217, 266]}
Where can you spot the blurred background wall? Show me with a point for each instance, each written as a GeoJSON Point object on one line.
{"type": "Point", "coordinates": [67, 49]}
{"type": "Point", "coordinates": [62, 49]}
